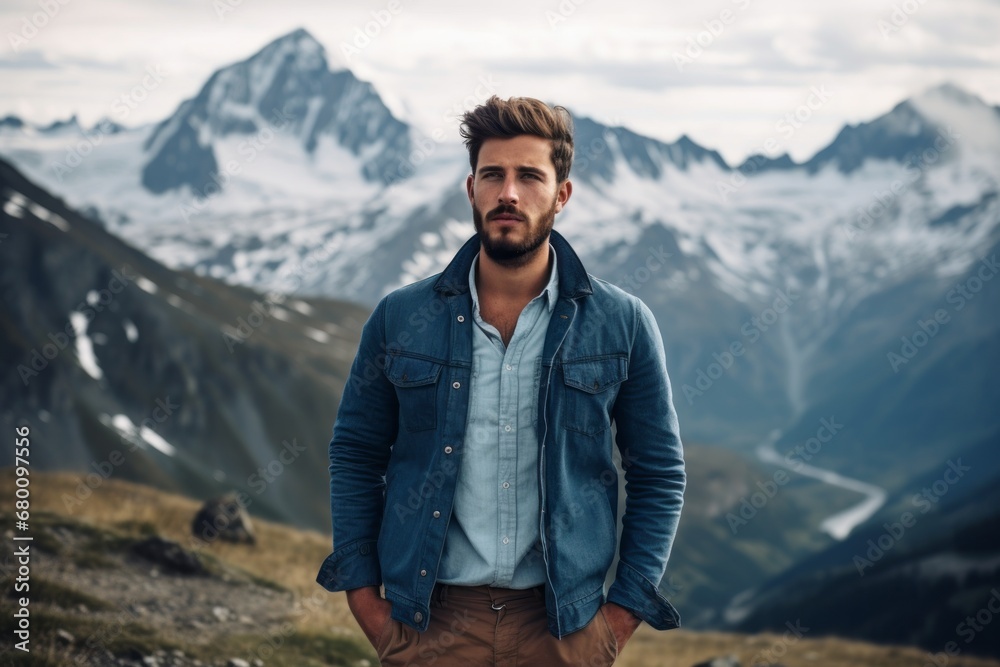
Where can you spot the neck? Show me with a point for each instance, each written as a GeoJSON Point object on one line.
{"type": "Point", "coordinates": [517, 283]}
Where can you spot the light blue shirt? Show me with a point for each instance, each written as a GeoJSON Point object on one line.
{"type": "Point", "coordinates": [495, 518]}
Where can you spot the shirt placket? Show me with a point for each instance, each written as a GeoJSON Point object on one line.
{"type": "Point", "coordinates": [507, 482]}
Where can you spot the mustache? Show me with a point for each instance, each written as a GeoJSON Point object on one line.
{"type": "Point", "coordinates": [505, 209]}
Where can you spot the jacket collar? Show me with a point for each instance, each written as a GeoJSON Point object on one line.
{"type": "Point", "coordinates": [573, 279]}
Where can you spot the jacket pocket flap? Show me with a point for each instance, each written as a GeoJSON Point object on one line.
{"type": "Point", "coordinates": [411, 371]}
{"type": "Point", "coordinates": [594, 375]}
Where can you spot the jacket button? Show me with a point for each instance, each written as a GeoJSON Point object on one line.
{"type": "Point", "coordinates": [364, 549]}
{"type": "Point", "coordinates": [417, 617]}
{"type": "Point", "coordinates": [461, 318]}
{"type": "Point", "coordinates": [437, 515]}
{"type": "Point", "coordinates": [456, 385]}
{"type": "Point", "coordinates": [448, 450]}
{"type": "Point", "coordinates": [423, 573]}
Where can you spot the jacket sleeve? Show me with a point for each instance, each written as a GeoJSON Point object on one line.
{"type": "Point", "coordinates": [648, 438]}
{"type": "Point", "coordinates": [363, 434]}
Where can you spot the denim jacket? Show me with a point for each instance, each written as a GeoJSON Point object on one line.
{"type": "Point", "coordinates": [396, 447]}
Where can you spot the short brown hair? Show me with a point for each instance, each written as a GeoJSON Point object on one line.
{"type": "Point", "coordinates": [497, 118]}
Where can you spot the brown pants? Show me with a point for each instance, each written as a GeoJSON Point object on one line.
{"type": "Point", "coordinates": [479, 625]}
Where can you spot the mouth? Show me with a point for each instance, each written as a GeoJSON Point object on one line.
{"type": "Point", "coordinates": [507, 217]}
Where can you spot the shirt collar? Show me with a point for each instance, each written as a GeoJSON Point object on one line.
{"type": "Point", "coordinates": [551, 289]}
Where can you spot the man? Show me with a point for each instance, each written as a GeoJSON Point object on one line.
{"type": "Point", "coordinates": [471, 466]}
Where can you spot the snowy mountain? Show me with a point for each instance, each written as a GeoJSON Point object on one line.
{"type": "Point", "coordinates": [287, 87]}
{"type": "Point", "coordinates": [781, 288]}
{"type": "Point", "coordinates": [840, 312]}
{"type": "Point", "coordinates": [126, 368]}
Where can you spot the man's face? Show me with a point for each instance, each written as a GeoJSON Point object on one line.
{"type": "Point", "coordinates": [515, 197]}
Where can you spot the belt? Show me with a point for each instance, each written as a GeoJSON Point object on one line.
{"type": "Point", "coordinates": [491, 596]}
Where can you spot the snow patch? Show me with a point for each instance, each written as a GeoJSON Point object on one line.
{"type": "Point", "coordinates": [301, 306]}
{"type": "Point", "coordinates": [84, 346]}
{"type": "Point", "coordinates": [141, 435]}
{"type": "Point", "coordinates": [317, 335]}
{"type": "Point", "coordinates": [131, 332]}
{"type": "Point", "coordinates": [146, 285]}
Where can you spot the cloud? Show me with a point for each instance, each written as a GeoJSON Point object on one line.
{"type": "Point", "coordinates": [27, 60]}
{"type": "Point", "coordinates": [606, 60]}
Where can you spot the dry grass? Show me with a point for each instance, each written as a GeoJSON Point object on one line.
{"type": "Point", "coordinates": [287, 556]}
{"type": "Point", "coordinates": [291, 558]}
{"type": "Point", "coordinates": [649, 648]}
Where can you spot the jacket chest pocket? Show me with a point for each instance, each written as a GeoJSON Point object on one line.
{"type": "Point", "coordinates": [416, 382]}
{"type": "Point", "coordinates": [590, 386]}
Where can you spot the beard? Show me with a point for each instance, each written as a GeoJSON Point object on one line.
{"type": "Point", "coordinates": [505, 250]}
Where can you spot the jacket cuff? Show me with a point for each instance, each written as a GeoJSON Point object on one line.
{"type": "Point", "coordinates": [354, 565]}
{"type": "Point", "coordinates": [637, 594]}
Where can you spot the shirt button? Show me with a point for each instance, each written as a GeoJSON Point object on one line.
{"type": "Point", "coordinates": [456, 385]}
{"type": "Point", "coordinates": [437, 515]}
{"type": "Point", "coordinates": [461, 318]}
{"type": "Point", "coordinates": [509, 367]}
{"type": "Point", "coordinates": [505, 540]}
{"type": "Point", "coordinates": [506, 485]}
{"type": "Point", "coordinates": [423, 573]}
{"type": "Point", "coordinates": [417, 617]}
{"type": "Point", "coordinates": [507, 427]}
{"type": "Point", "coordinates": [448, 449]}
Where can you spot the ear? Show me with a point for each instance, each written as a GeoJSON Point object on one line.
{"type": "Point", "coordinates": [468, 188]}
{"type": "Point", "coordinates": [563, 194]}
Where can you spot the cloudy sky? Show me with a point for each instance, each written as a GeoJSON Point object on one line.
{"type": "Point", "coordinates": [724, 72]}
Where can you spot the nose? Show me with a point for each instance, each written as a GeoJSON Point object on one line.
{"type": "Point", "coordinates": [508, 193]}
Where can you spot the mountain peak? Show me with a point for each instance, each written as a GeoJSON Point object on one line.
{"type": "Point", "coordinates": [911, 127]}
{"type": "Point", "coordinates": [950, 92]}
{"type": "Point", "coordinates": [304, 51]}
{"type": "Point", "coordinates": [287, 85]}
{"type": "Point", "coordinates": [72, 123]}
{"type": "Point", "coordinates": [954, 111]}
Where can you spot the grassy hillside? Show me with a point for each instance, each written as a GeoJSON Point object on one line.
{"type": "Point", "coordinates": [259, 602]}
